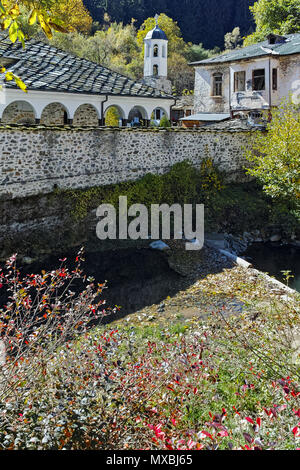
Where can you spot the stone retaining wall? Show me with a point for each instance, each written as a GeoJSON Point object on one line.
{"type": "Point", "coordinates": [38, 159]}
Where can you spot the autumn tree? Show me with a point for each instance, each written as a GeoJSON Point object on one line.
{"type": "Point", "coordinates": [170, 27]}
{"type": "Point", "coordinates": [274, 155]}
{"type": "Point", "coordinates": [274, 16]}
{"type": "Point", "coordinates": [74, 14]}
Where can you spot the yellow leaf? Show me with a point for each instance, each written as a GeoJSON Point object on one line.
{"type": "Point", "coordinates": [32, 18]}
{"type": "Point", "coordinates": [57, 27]}
{"type": "Point", "coordinates": [45, 27]}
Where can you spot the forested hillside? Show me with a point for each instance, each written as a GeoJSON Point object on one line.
{"type": "Point", "coordinates": [201, 21]}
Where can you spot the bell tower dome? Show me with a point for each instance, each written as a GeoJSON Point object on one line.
{"type": "Point", "coordinates": [156, 59]}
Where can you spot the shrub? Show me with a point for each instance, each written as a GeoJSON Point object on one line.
{"type": "Point", "coordinates": [164, 122]}
{"type": "Point", "coordinates": [41, 314]}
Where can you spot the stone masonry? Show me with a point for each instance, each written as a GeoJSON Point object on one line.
{"type": "Point", "coordinates": [37, 160]}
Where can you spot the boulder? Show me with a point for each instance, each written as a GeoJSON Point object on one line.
{"type": "Point", "coordinates": [159, 245]}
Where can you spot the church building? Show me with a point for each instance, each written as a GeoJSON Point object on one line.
{"type": "Point", "coordinates": [65, 89]}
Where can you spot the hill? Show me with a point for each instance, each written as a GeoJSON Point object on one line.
{"type": "Point", "coordinates": [201, 21]}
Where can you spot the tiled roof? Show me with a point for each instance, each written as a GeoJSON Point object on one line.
{"type": "Point", "coordinates": [290, 46]}
{"type": "Point", "coordinates": [46, 68]}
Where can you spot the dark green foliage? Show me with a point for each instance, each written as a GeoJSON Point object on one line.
{"type": "Point", "coordinates": [233, 208]}
{"type": "Point", "coordinates": [201, 21]}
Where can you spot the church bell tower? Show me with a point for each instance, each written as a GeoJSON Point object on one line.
{"type": "Point", "coordinates": [156, 59]}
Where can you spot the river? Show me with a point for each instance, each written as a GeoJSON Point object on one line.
{"type": "Point", "coordinates": [273, 259]}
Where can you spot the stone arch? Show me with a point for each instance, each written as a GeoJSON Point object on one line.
{"type": "Point", "coordinates": [19, 112]}
{"type": "Point", "coordinates": [55, 114]}
{"type": "Point", "coordinates": [115, 116]}
{"type": "Point", "coordinates": [138, 115]}
{"type": "Point", "coordinates": [86, 115]}
{"type": "Point", "coordinates": [155, 70]}
{"type": "Point", "coordinates": [155, 50]}
{"type": "Point", "coordinates": [158, 113]}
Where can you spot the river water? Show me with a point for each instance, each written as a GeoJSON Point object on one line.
{"type": "Point", "coordinates": [273, 259]}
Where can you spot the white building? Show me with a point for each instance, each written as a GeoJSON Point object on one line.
{"type": "Point", "coordinates": [64, 89]}
{"type": "Point", "coordinates": [249, 79]}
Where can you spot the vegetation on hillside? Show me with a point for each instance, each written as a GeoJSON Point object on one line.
{"type": "Point", "coordinates": [204, 21]}
{"type": "Point", "coordinates": [121, 48]}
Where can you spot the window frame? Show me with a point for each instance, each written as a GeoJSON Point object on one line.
{"type": "Point", "coordinates": [275, 79]}
{"type": "Point", "coordinates": [217, 85]}
{"type": "Point", "coordinates": [255, 87]}
{"type": "Point", "coordinates": [236, 81]}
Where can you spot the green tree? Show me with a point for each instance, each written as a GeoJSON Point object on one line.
{"type": "Point", "coordinates": [274, 155]}
{"type": "Point", "coordinates": [164, 122]}
{"type": "Point", "coordinates": [274, 16]}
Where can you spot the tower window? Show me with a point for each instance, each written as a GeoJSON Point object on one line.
{"type": "Point", "coordinates": [155, 51]}
{"type": "Point", "coordinates": [148, 50]}
{"type": "Point", "coordinates": [164, 51]}
{"type": "Point", "coordinates": [155, 70]}
{"type": "Point", "coordinates": [217, 84]}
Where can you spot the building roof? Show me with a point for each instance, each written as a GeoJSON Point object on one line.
{"type": "Point", "coordinates": [156, 33]}
{"type": "Point", "coordinates": [207, 117]}
{"type": "Point", "coordinates": [44, 67]}
{"type": "Point", "coordinates": [288, 46]}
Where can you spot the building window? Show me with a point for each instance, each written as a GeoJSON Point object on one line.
{"type": "Point", "coordinates": [274, 79]}
{"type": "Point", "coordinates": [188, 112]}
{"type": "Point", "coordinates": [259, 80]}
{"type": "Point", "coordinates": [155, 70]}
{"type": "Point", "coordinates": [217, 84]}
{"type": "Point", "coordinates": [148, 50]}
{"type": "Point", "coordinates": [164, 51]}
{"type": "Point", "coordinates": [155, 51]}
{"type": "Point", "coordinates": [239, 81]}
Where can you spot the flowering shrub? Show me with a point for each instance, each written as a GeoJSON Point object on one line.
{"type": "Point", "coordinates": [225, 383]}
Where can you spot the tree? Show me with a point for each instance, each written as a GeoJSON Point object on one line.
{"type": "Point", "coordinates": [164, 122]}
{"type": "Point", "coordinates": [233, 40]}
{"type": "Point", "coordinates": [274, 155]}
{"type": "Point", "coordinates": [274, 16]}
{"type": "Point", "coordinates": [179, 72]}
{"type": "Point", "coordinates": [205, 21]}
{"type": "Point", "coordinates": [170, 27]}
{"type": "Point", "coordinates": [112, 117]}
{"type": "Point", "coordinates": [72, 13]}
